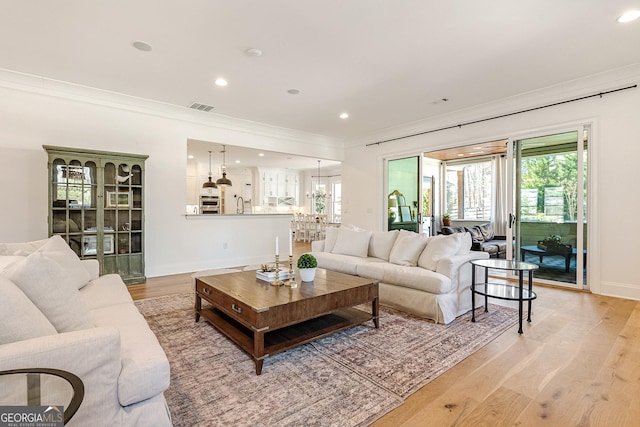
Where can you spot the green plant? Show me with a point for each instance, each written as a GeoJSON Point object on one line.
{"type": "Point", "coordinates": [553, 238]}
{"type": "Point", "coordinates": [307, 261]}
{"type": "Point", "coordinates": [446, 216]}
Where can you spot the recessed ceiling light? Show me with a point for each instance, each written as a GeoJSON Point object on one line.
{"type": "Point", "coordinates": [190, 156]}
{"type": "Point", "coordinates": [221, 82]}
{"type": "Point", "coordinates": [629, 16]}
{"type": "Point", "coordinates": [293, 91]}
{"type": "Point", "coordinates": [237, 161]}
{"type": "Point", "coordinates": [261, 154]}
{"type": "Point", "coordinates": [143, 46]}
{"type": "Point", "coordinates": [344, 116]}
{"type": "Point", "coordinates": [253, 52]}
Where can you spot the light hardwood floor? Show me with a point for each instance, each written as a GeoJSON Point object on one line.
{"type": "Point", "coordinates": [577, 364]}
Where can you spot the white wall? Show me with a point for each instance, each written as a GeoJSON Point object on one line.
{"type": "Point", "coordinates": [34, 112]}
{"type": "Point", "coordinates": [615, 154]}
{"type": "Point", "coordinates": [39, 112]}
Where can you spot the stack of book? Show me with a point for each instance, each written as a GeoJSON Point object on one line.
{"type": "Point", "coordinates": [270, 276]}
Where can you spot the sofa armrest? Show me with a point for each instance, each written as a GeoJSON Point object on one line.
{"type": "Point", "coordinates": [450, 266]}
{"type": "Point", "coordinates": [91, 354]}
{"type": "Point", "coordinates": [92, 266]}
{"type": "Point", "coordinates": [317, 246]}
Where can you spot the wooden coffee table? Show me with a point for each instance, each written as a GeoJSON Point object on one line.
{"type": "Point", "coordinates": [264, 320]}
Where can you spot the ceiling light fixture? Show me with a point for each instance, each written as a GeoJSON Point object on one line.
{"type": "Point", "coordinates": [253, 52]}
{"type": "Point", "coordinates": [344, 116]}
{"type": "Point", "coordinates": [221, 82]}
{"type": "Point", "coordinates": [224, 181]}
{"type": "Point", "coordinates": [142, 46]}
{"type": "Point", "coordinates": [293, 91]}
{"type": "Point", "coordinates": [629, 16]}
{"type": "Point", "coordinates": [209, 183]}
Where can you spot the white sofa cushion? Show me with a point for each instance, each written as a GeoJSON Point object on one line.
{"type": "Point", "coordinates": [407, 248]}
{"type": "Point", "coordinates": [19, 317]}
{"type": "Point", "coordinates": [7, 260]}
{"type": "Point", "coordinates": [105, 291]}
{"type": "Point", "coordinates": [331, 234]}
{"type": "Point", "coordinates": [341, 263]}
{"type": "Point", "coordinates": [439, 247]}
{"type": "Point", "coordinates": [58, 250]}
{"type": "Point", "coordinates": [381, 243]}
{"type": "Point", "coordinates": [465, 242]}
{"type": "Point", "coordinates": [46, 284]}
{"type": "Point", "coordinates": [352, 242]}
{"type": "Point", "coordinates": [408, 277]}
{"type": "Point", "coordinates": [145, 368]}
{"type": "Point", "coordinates": [22, 249]}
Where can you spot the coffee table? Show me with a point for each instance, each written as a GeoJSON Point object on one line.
{"type": "Point", "coordinates": [263, 319]}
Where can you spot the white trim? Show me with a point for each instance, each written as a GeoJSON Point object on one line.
{"type": "Point", "coordinates": [78, 93]}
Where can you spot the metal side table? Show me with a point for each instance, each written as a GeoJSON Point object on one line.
{"type": "Point", "coordinates": [503, 291]}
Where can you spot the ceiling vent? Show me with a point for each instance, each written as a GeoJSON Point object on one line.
{"type": "Point", "coordinates": [201, 107]}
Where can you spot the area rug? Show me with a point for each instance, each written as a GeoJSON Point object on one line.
{"type": "Point", "coordinates": [350, 378]}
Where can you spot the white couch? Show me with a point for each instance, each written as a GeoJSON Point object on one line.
{"type": "Point", "coordinates": [56, 312]}
{"type": "Point", "coordinates": [426, 276]}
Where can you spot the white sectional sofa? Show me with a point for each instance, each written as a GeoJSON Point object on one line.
{"type": "Point", "coordinates": [426, 276]}
{"type": "Point", "coordinates": [56, 312]}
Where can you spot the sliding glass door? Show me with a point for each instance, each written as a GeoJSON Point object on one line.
{"type": "Point", "coordinates": [547, 200]}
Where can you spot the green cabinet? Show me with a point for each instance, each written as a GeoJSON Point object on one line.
{"type": "Point", "coordinates": [96, 203]}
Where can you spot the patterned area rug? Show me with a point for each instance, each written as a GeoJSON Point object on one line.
{"type": "Point", "coordinates": [350, 378]}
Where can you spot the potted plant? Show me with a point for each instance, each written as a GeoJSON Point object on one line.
{"type": "Point", "coordinates": [307, 265]}
{"type": "Point", "coordinates": [446, 219]}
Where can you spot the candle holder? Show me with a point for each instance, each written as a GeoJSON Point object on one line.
{"type": "Point", "coordinates": [277, 281]}
{"type": "Point", "coordinates": [291, 282]}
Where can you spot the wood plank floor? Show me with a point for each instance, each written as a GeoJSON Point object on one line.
{"type": "Point", "coordinates": [577, 364]}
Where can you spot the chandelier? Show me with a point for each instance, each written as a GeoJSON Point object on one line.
{"type": "Point", "coordinates": [319, 195]}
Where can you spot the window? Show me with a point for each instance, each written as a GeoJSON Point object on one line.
{"type": "Point", "coordinates": [469, 190]}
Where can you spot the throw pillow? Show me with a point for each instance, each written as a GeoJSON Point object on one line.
{"type": "Point", "coordinates": [22, 249]}
{"type": "Point", "coordinates": [381, 243]}
{"type": "Point", "coordinates": [352, 242]}
{"type": "Point", "coordinates": [331, 234]}
{"type": "Point", "coordinates": [58, 250]}
{"type": "Point", "coordinates": [407, 248]}
{"type": "Point", "coordinates": [476, 234]}
{"type": "Point", "coordinates": [19, 317]}
{"type": "Point", "coordinates": [439, 247]}
{"type": "Point", "coordinates": [465, 242]}
{"type": "Point", "coordinates": [46, 284]}
{"type": "Point", "coordinates": [487, 231]}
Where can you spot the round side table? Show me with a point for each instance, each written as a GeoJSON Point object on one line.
{"type": "Point", "coordinates": [503, 291]}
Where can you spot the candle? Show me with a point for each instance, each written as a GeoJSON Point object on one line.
{"type": "Point", "coordinates": [276, 246]}
{"type": "Point", "coordinates": [290, 242]}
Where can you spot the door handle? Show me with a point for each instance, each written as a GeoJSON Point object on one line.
{"type": "Point", "coordinates": [512, 220]}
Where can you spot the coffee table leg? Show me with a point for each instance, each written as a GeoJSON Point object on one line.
{"type": "Point", "coordinates": [198, 306]}
{"type": "Point", "coordinates": [375, 306]}
{"type": "Point", "coordinates": [258, 350]}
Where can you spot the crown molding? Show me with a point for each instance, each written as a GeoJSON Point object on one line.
{"type": "Point", "coordinates": [49, 87]}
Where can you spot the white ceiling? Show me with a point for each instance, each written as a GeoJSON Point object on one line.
{"type": "Point", "coordinates": [386, 63]}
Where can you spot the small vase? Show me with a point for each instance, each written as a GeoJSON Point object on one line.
{"type": "Point", "coordinates": [307, 274]}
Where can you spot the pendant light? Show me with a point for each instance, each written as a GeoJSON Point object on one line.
{"type": "Point", "coordinates": [224, 181]}
{"type": "Point", "coordinates": [209, 183]}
